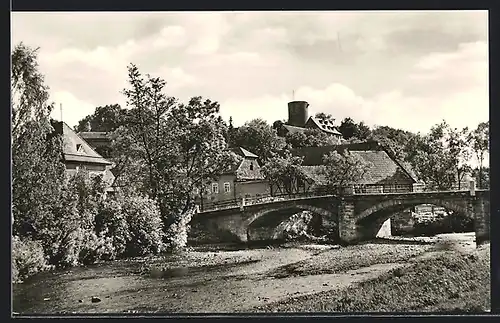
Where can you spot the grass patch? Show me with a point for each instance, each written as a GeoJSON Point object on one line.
{"type": "Point", "coordinates": [450, 282]}
{"type": "Point", "coordinates": [349, 258]}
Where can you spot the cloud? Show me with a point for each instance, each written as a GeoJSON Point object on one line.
{"type": "Point", "coordinates": [398, 68]}
{"type": "Point", "coordinates": [72, 108]}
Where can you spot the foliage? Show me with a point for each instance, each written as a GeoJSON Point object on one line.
{"type": "Point", "coordinates": [310, 138]}
{"type": "Point", "coordinates": [284, 173]}
{"type": "Point", "coordinates": [165, 149]}
{"type": "Point", "coordinates": [480, 143]}
{"type": "Point", "coordinates": [259, 138]}
{"type": "Point", "coordinates": [144, 224]}
{"type": "Point", "coordinates": [433, 161]}
{"type": "Point", "coordinates": [37, 168]}
{"type": "Point", "coordinates": [295, 227]}
{"type": "Point", "coordinates": [482, 176]}
{"type": "Point", "coordinates": [27, 258]}
{"type": "Point", "coordinates": [452, 223]}
{"type": "Point", "coordinates": [104, 119]}
{"type": "Point", "coordinates": [341, 169]}
{"type": "Point", "coordinates": [348, 128]}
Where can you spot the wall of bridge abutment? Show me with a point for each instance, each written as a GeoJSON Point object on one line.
{"type": "Point", "coordinates": [481, 209]}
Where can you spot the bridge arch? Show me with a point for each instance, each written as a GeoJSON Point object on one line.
{"type": "Point", "coordinates": [251, 222]}
{"type": "Point", "coordinates": [397, 205]}
{"type": "Point", "coordinates": [369, 221]}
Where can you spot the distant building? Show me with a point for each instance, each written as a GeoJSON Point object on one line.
{"type": "Point", "coordinates": [78, 154]}
{"type": "Point", "coordinates": [386, 173]}
{"type": "Point", "coordinates": [243, 179]}
{"type": "Point", "coordinates": [299, 121]}
{"type": "Point", "coordinates": [99, 140]}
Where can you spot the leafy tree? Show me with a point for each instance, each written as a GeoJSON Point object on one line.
{"type": "Point", "coordinates": [278, 127]}
{"type": "Point", "coordinates": [433, 160]}
{"type": "Point", "coordinates": [260, 138]}
{"type": "Point", "coordinates": [482, 176]}
{"type": "Point", "coordinates": [310, 138]}
{"type": "Point", "coordinates": [459, 148]}
{"type": "Point", "coordinates": [348, 128]}
{"type": "Point", "coordinates": [479, 138]}
{"type": "Point", "coordinates": [37, 168]}
{"type": "Point", "coordinates": [397, 141]}
{"type": "Point", "coordinates": [342, 169]}
{"type": "Point", "coordinates": [166, 149]}
{"type": "Point", "coordinates": [284, 173]}
{"type": "Point", "coordinates": [105, 119]}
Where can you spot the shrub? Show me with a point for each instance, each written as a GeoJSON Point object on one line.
{"type": "Point", "coordinates": [145, 226]}
{"type": "Point", "coordinates": [455, 222]}
{"type": "Point", "coordinates": [27, 258]}
{"type": "Point", "coordinates": [111, 222]}
{"type": "Point", "coordinates": [176, 235]}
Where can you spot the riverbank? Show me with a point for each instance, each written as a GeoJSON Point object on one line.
{"type": "Point", "coordinates": [211, 280]}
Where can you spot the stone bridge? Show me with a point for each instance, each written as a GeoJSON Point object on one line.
{"type": "Point", "coordinates": [356, 217]}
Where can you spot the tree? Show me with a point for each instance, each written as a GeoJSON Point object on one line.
{"type": "Point", "coordinates": [37, 167]}
{"type": "Point", "coordinates": [260, 138]}
{"type": "Point", "coordinates": [341, 169]}
{"type": "Point", "coordinates": [348, 128]}
{"type": "Point", "coordinates": [310, 138]}
{"type": "Point", "coordinates": [105, 118]}
{"type": "Point", "coordinates": [284, 173]}
{"type": "Point", "coordinates": [324, 116]}
{"type": "Point", "coordinates": [459, 148]}
{"type": "Point", "coordinates": [167, 148]}
{"type": "Point", "coordinates": [433, 160]}
{"type": "Point", "coordinates": [479, 138]}
{"type": "Point", "coordinates": [278, 127]}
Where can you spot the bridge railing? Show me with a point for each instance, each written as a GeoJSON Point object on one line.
{"type": "Point", "coordinates": [264, 198]}
{"type": "Point", "coordinates": [316, 192]}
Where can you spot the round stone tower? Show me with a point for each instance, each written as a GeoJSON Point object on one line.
{"type": "Point", "coordinates": [298, 113]}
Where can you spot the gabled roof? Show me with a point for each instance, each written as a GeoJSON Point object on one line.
{"type": "Point", "coordinates": [76, 148]}
{"type": "Point", "coordinates": [244, 153]}
{"type": "Point", "coordinates": [384, 168]}
{"type": "Point", "coordinates": [325, 125]}
{"type": "Point", "coordinates": [293, 129]}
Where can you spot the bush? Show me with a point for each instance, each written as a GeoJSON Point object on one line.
{"type": "Point", "coordinates": [111, 222]}
{"type": "Point", "coordinates": [27, 259]}
{"type": "Point", "coordinates": [144, 224]}
{"type": "Point", "coordinates": [453, 223]}
{"type": "Point", "coordinates": [176, 235]}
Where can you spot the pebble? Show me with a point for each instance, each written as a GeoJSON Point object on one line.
{"type": "Point", "coordinates": [95, 299]}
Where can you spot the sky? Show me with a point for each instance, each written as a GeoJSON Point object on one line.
{"type": "Point", "coordinates": [408, 70]}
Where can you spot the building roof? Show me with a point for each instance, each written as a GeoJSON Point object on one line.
{"type": "Point", "coordinates": [326, 125]}
{"type": "Point", "coordinates": [293, 129]}
{"type": "Point", "coordinates": [76, 148]}
{"type": "Point", "coordinates": [384, 168]}
{"type": "Point", "coordinates": [244, 153]}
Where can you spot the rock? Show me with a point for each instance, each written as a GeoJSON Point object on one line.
{"type": "Point", "coordinates": [95, 299]}
{"type": "Point", "coordinates": [80, 301]}
{"type": "Point", "coordinates": [325, 284]}
{"type": "Point", "coordinates": [47, 299]}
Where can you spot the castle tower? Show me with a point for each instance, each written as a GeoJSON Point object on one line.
{"type": "Point", "coordinates": [298, 113]}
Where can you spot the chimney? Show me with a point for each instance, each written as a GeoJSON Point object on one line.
{"type": "Point", "coordinates": [298, 113]}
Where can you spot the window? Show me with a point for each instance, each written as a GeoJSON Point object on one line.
{"type": "Point", "coordinates": [215, 188]}
{"type": "Point", "coordinates": [251, 166]}
{"type": "Point", "coordinates": [227, 187]}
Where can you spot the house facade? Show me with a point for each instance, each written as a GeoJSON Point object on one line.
{"type": "Point", "coordinates": [242, 180]}
{"type": "Point", "coordinates": [299, 121]}
{"type": "Point", "coordinates": [78, 154]}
